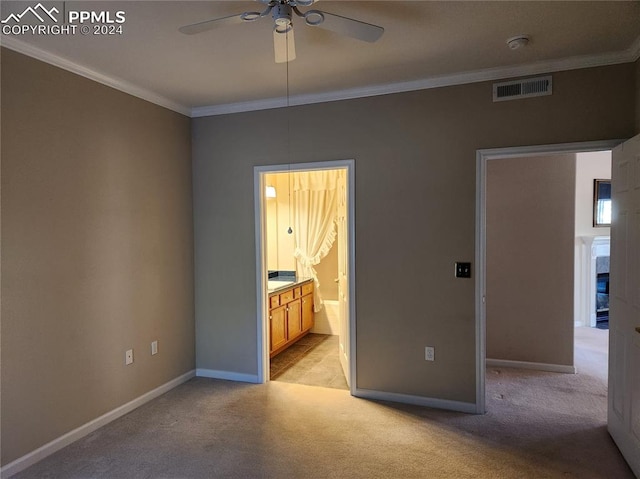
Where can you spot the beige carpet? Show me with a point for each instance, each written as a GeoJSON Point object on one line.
{"type": "Point", "coordinates": [538, 425]}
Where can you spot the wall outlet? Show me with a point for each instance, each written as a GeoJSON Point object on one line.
{"type": "Point", "coordinates": [429, 353]}
{"type": "Point", "coordinates": [128, 356]}
{"type": "Point", "coordinates": [154, 347]}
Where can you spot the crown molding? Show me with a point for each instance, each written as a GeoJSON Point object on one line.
{"type": "Point", "coordinates": [113, 82]}
{"type": "Point", "coordinates": [240, 107]}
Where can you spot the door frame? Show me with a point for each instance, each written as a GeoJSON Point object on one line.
{"type": "Point", "coordinates": [259, 173]}
{"type": "Point", "coordinates": [482, 158]}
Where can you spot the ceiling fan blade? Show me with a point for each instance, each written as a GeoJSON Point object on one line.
{"type": "Point", "coordinates": [284, 45]}
{"type": "Point", "coordinates": [344, 25]}
{"type": "Point", "coordinates": [211, 24]}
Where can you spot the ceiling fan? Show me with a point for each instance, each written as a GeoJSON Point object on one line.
{"type": "Point", "coordinates": [282, 12]}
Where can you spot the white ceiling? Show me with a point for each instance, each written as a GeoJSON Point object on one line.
{"type": "Point", "coordinates": [426, 43]}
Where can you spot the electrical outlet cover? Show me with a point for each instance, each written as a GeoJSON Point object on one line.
{"type": "Point", "coordinates": [429, 353]}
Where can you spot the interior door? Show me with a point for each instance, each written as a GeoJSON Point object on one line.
{"type": "Point", "coordinates": [343, 274]}
{"type": "Point", "coordinates": [624, 317]}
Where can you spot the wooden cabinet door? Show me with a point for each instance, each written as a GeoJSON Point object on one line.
{"type": "Point", "coordinates": [294, 319]}
{"type": "Point", "coordinates": [307, 312]}
{"type": "Point", "coordinates": [277, 327]}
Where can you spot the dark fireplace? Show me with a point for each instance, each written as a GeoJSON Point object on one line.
{"type": "Point", "coordinates": [602, 298]}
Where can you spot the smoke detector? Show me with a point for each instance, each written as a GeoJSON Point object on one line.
{"type": "Point", "coordinates": [519, 41]}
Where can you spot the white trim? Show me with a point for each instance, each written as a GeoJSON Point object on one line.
{"type": "Point", "coordinates": [351, 234]}
{"type": "Point", "coordinates": [258, 195]}
{"type": "Point", "coordinates": [416, 400]}
{"type": "Point", "coordinates": [261, 267]}
{"type": "Point", "coordinates": [489, 74]}
{"type": "Point", "coordinates": [482, 158]}
{"type": "Point", "coordinates": [82, 431]}
{"type": "Point", "coordinates": [21, 47]}
{"type": "Point", "coordinates": [227, 108]}
{"type": "Point", "coordinates": [553, 368]}
{"type": "Point", "coordinates": [227, 375]}
{"type": "Point", "coordinates": [481, 341]}
{"type": "Point", "coordinates": [541, 150]}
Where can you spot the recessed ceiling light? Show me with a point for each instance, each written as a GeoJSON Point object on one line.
{"type": "Point", "coordinates": [519, 41]}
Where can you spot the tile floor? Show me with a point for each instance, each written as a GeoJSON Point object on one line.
{"type": "Point", "coordinates": [313, 361]}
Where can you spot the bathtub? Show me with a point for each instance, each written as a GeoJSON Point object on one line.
{"type": "Point", "coordinates": [327, 321]}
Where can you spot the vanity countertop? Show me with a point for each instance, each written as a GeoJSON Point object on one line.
{"type": "Point", "coordinates": [275, 286]}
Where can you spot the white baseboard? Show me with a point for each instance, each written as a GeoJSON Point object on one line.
{"type": "Point", "coordinates": [228, 375]}
{"type": "Point", "coordinates": [553, 368]}
{"type": "Point", "coordinates": [72, 436]}
{"type": "Point", "coordinates": [417, 400]}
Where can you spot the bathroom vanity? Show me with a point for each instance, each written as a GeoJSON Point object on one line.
{"type": "Point", "coordinates": [291, 314]}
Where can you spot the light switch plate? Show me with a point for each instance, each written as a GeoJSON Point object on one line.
{"type": "Point", "coordinates": [463, 270]}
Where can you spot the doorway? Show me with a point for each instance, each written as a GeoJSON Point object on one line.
{"type": "Point", "coordinates": [592, 241]}
{"type": "Point", "coordinates": [284, 268]}
{"type": "Point", "coordinates": [483, 158]}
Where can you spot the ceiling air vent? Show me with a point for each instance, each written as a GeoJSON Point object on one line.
{"type": "Point", "coordinates": [514, 90]}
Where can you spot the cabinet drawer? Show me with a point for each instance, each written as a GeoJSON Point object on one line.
{"type": "Point", "coordinates": [307, 288]}
{"type": "Point", "coordinates": [274, 301]}
{"type": "Point", "coordinates": [286, 296]}
{"type": "Point", "coordinates": [297, 292]}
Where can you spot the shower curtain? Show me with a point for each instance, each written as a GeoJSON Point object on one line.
{"type": "Point", "coordinates": [314, 211]}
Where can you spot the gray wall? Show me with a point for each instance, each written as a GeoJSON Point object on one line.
{"type": "Point", "coordinates": [97, 250]}
{"type": "Point", "coordinates": [530, 253]}
{"type": "Point", "coordinates": [415, 213]}
{"type": "Point", "coordinates": [638, 97]}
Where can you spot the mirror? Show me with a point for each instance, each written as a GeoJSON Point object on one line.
{"type": "Point", "coordinates": [601, 203]}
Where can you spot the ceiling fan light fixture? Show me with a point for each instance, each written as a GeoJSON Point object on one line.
{"type": "Point", "coordinates": [283, 43]}
{"type": "Point", "coordinates": [281, 14]}
{"type": "Point", "coordinates": [281, 28]}
{"type": "Point", "coordinates": [313, 18]}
